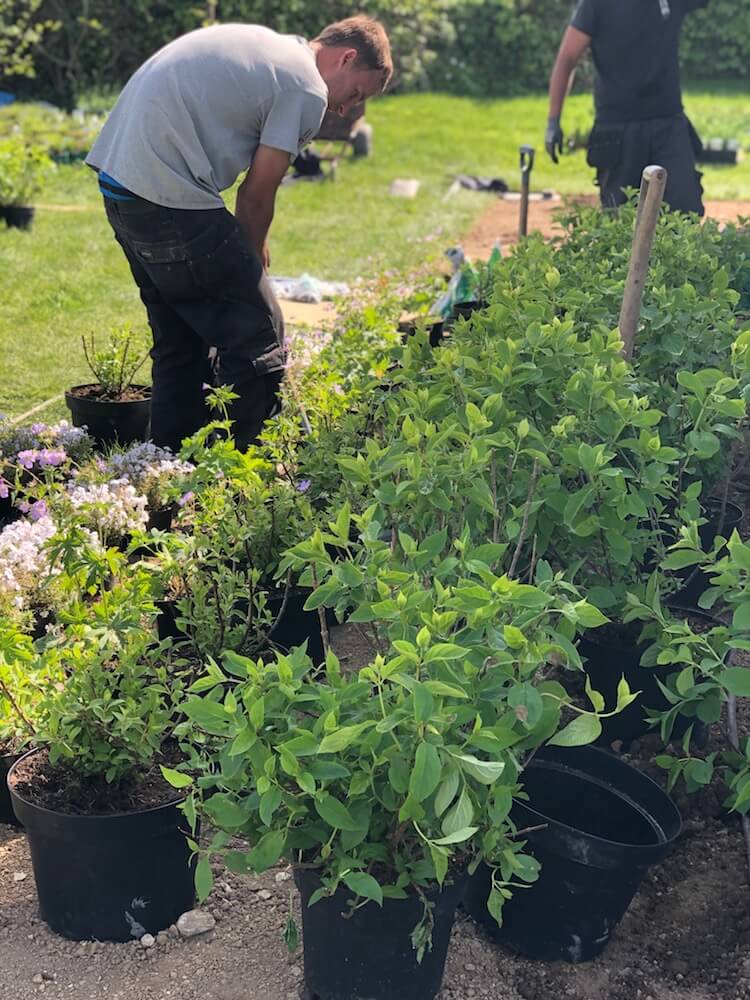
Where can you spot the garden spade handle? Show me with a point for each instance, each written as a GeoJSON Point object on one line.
{"type": "Point", "coordinates": [653, 182]}
{"type": "Point", "coordinates": [527, 162]}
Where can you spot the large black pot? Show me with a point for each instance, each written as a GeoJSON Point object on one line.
{"type": "Point", "coordinates": [110, 421]}
{"type": "Point", "coordinates": [434, 325]}
{"type": "Point", "coordinates": [369, 955]}
{"type": "Point", "coordinates": [603, 824]}
{"type": "Point", "coordinates": [108, 878]}
{"type": "Point", "coordinates": [18, 216]}
{"type": "Point", "coordinates": [6, 809]}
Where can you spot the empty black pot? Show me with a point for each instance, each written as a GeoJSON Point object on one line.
{"type": "Point", "coordinates": [369, 955]}
{"type": "Point", "coordinates": [110, 421]}
{"type": "Point", "coordinates": [6, 809]}
{"type": "Point", "coordinates": [108, 878]}
{"type": "Point", "coordinates": [18, 216]}
{"type": "Point", "coordinates": [603, 824]}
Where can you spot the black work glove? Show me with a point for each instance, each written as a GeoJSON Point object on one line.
{"type": "Point", "coordinates": [553, 139]}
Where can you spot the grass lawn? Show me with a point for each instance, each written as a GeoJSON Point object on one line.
{"type": "Point", "coordinates": [67, 276]}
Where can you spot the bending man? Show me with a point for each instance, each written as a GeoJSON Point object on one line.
{"type": "Point", "coordinates": [206, 107]}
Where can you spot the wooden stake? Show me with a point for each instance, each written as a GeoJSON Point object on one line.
{"type": "Point", "coordinates": [653, 182]}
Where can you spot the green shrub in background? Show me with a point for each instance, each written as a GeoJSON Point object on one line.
{"type": "Point", "coordinates": [493, 47]}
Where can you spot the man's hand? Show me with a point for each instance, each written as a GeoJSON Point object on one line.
{"type": "Point", "coordinates": [553, 139]}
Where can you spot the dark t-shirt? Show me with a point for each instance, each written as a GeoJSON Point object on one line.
{"type": "Point", "coordinates": [635, 49]}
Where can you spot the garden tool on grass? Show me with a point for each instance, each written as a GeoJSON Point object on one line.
{"type": "Point", "coordinates": [653, 182]}
{"type": "Point", "coordinates": [527, 163]}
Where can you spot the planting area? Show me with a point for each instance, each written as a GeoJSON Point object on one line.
{"type": "Point", "coordinates": [442, 688]}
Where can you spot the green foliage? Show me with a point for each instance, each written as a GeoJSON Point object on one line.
{"type": "Point", "coordinates": [23, 169]}
{"type": "Point", "coordinates": [115, 365]}
{"type": "Point", "coordinates": [20, 34]}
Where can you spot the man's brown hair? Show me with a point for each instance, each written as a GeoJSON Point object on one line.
{"type": "Point", "coordinates": [367, 36]}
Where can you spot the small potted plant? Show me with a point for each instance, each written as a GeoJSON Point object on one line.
{"type": "Point", "coordinates": [113, 408]}
{"type": "Point", "coordinates": [91, 791]}
{"type": "Point", "coordinates": [18, 704]}
{"type": "Point", "coordinates": [23, 168]}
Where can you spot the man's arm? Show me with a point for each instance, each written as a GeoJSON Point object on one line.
{"type": "Point", "coordinates": [256, 197]}
{"type": "Point", "coordinates": [574, 44]}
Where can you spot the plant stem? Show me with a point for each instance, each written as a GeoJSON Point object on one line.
{"type": "Point", "coordinates": [16, 708]}
{"type": "Point", "coordinates": [734, 739]}
{"type": "Point", "coordinates": [525, 523]}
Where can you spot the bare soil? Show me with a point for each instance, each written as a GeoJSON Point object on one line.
{"type": "Point", "coordinates": [686, 935]}
{"type": "Point", "coordinates": [130, 394]}
{"type": "Point", "coordinates": [500, 221]}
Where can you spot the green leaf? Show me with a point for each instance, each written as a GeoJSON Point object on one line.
{"type": "Point", "coordinates": [582, 730]}
{"type": "Point", "coordinates": [741, 617]}
{"type": "Point", "coordinates": [426, 772]}
{"type": "Point", "coordinates": [596, 699]}
{"type": "Point", "coordinates": [242, 742]}
{"type": "Point", "coordinates": [458, 837]}
{"type": "Point", "coordinates": [445, 651]}
{"type": "Point", "coordinates": [485, 771]}
{"type": "Point", "coordinates": [423, 703]}
{"type": "Point", "coordinates": [703, 443]}
{"type": "Point", "coordinates": [176, 778]}
{"type": "Point", "coordinates": [446, 793]}
{"type": "Point", "coordinates": [364, 885]}
{"type": "Point", "coordinates": [225, 812]}
{"type": "Point", "coordinates": [335, 813]}
{"type": "Point", "coordinates": [257, 713]}
{"type": "Point", "coordinates": [588, 615]}
{"type": "Point", "coordinates": [342, 738]}
{"type": "Point", "coordinates": [440, 861]}
{"type": "Point", "coordinates": [204, 879]}
{"type": "Point", "coordinates": [681, 558]}
{"type": "Point", "coordinates": [448, 690]}
{"type": "Point", "coordinates": [267, 851]}
{"type": "Point", "coordinates": [269, 803]}
{"type": "Point", "coordinates": [736, 680]}
{"type": "Point", "coordinates": [459, 817]}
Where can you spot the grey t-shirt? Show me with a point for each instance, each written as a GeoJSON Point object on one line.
{"type": "Point", "coordinates": [189, 121]}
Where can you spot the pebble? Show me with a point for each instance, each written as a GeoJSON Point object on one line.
{"type": "Point", "coordinates": [195, 922]}
{"type": "Point", "coordinates": [148, 941]}
{"type": "Point", "coordinates": [265, 894]}
{"type": "Point", "coordinates": [282, 876]}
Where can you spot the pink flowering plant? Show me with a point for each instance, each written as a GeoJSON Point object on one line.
{"type": "Point", "coordinates": [153, 472]}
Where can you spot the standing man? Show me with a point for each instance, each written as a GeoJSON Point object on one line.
{"type": "Point", "coordinates": [639, 116]}
{"type": "Point", "coordinates": [206, 107]}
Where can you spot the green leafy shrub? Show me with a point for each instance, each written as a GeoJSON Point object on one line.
{"type": "Point", "coordinates": [23, 168]}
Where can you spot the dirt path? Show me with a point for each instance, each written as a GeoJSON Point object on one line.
{"type": "Point", "coordinates": [500, 221]}
{"type": "Point", "coordinates": [685, 937]}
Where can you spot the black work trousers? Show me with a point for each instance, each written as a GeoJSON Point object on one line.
{"type": "Point", "coordinates": [202, 286]}
{"type": "Point", "coordinates": [621, 151]}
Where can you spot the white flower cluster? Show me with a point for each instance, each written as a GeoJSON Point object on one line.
{"type": "Point", "coordinates": [149, 469]}
{"type": "Point", "coordinates": [24, 564]}
{"type": "Point", "coordinates": [112, 509]}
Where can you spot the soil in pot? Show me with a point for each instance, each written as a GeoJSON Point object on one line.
{"type": "Point", "coordinates": [596, 824]}
{"type": "Point", "coordinates": [111, 421]}
{"type": "Point", "coordinates": [110, 863]}
{"type": "Point", "coordinates": [368, 955]}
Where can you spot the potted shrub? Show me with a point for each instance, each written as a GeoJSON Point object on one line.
{"type": "Point", "coordinates": [19, 695]}
{"type": "Point", "coordinates": [22, 171]}
{"type": "Point", "coordinates": [385, 788]}
{"type": "Point", "coordinates": [113, 408]}
{"type": "Point", "coordinates": [91, 792]}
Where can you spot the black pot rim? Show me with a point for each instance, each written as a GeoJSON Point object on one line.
{"type": "Point", "coordinates": [77, 817]}
{"type": "Point", "coordinates": [658, 846]}
{"type": "Point", "coordinates": [71, 394]}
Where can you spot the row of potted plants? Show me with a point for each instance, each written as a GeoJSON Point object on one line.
{"type": "Point", "coordinates": [489, 502]}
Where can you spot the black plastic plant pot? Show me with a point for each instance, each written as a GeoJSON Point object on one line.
{"type": "Point", "coordinates": [614, 652]}
{"type": "Point", "coordinates": [465, 310]}
{"type": "Point", "coordinates": [8, 512]}
{"type": "Point", "coordinates": [696, 581]}
{"type": "Point", "coordinates": [596, 824]}
{"type": "Point", "coordinates": [7, 815]}
{"type": "Point", "coordinates": [369, 955]}
{"type": "Point", "coordinates": [108, 878]}
{"type": "Point", "coordinates": [109, 421]}
{"type": "Point", "coordinates": [434, 325]}
{"type": "Point", "coordinates": [161, 518]}
{"type": "Point", "coordinates": [18, 216]}
{"type": "Point", "coordinates": [297, 625]}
